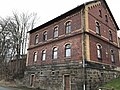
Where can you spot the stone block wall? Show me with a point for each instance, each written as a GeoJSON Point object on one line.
{"type": "Point", "coordinates": [97, 77]}
{"type": "Point", "coordinates": [51, 77]}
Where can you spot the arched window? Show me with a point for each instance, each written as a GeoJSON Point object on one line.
{"type": "Point", "coordinates": [55, 33]}
{"type": "Point", "coordinates": [55, 53]}
{"type": "Point", "coordinates": [99, 52]}
{"type": "Point", "coordinates": [35, 57]}
{"type": "Point", "coordinates": [97, 28]}
{"type": "Point", "coordinates": [45, 36]}
{"type": "Point", "coordinates": [100, 13]}
{"type": "Point", "coordinates": [68, 27]}
{"type": "Point", "coordinates": [110, 35]}
{"type": "Point", "coordinates": [43, 55]}
{"type": "Point", "coordinates": [106, 18]}
{"type": "Point", "coordinates": [36, 39]}
{"type": "Point", "coordinates": [112, 56]}
{"type": "Point", "coordinates": [67, 50]}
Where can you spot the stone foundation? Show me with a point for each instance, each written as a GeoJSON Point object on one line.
{"type": "Point", "coordinates": [70, 76]}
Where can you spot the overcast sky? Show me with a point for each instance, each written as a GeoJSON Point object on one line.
{"type": "Point", "coordinates": [49, 9]}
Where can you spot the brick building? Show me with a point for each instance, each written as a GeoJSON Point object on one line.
{"type": "Point", "coordinates": [78, 48]}
{"type": "Point", "coordinates": [119, 47]}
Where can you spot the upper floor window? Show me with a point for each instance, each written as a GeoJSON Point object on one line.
{"type": "Point", "coordinates": [110, 35]}
{"type": "Point", "coordinates": [106, 18]}
{"type": "Point", "coordinates": [55, 33]}
{"type": "Point", "coordinates": [45, 36]}
{"type": "Point", "coordinates": [35, 57]}
{"type": "Point", "coordinates": [43, 55]}
{"type": "Point", "coordinates": [97, 28]}
{"type": "Point", "coordinates": [112, 56]}
{"type": "Point", "coordinates": [36, 39]}
{"type": "Point", "coordinates": [68, 27]}
{"type": "Point", "coordinates": [55, 53]}
{"type": "Point", "coordinates": [99, 52]}
{"type": "Point", "coordinates": [100, 13]}
{"type": "Point", "coordinates": [67, 50]}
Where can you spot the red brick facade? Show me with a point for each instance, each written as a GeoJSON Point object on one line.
{"type": "Point", "coordinates": [85, 50]}
{"type": "Point", "coordinates": [103, 39]}
{"type": "Point", "coordinates": [74, 38]}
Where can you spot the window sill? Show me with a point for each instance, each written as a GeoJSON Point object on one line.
{"type": "Point", "coordinates": [100, 16]}
{"type": "Point", "coordinates": [111, 40]}
{"type": "Point", "coordinates": [67, 58]}
{"type": "Point", "coordinates": [100, 59]}
{"type": "Point", "coordinates": [55, 37]}
{"type": "Point", "coordinates": [113, 62]}
{"type": "Point", "coordinates": [54, 59]}
{"type": "Point", "coordinates": [98, 34]}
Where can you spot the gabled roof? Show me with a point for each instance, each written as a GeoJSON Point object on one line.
{"type": "Point", "coordinates": [77, 9]}
{"type": "Point", "coordinates": [110, 14]}
{"type": "Point", "coordinates": [107, 9]}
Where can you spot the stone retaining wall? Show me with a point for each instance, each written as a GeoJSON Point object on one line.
{"type": "Point", "coordinates": [51, 77]}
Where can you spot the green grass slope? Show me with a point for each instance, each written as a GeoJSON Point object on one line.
{"type": "Point", "coordinates": [115, 83]}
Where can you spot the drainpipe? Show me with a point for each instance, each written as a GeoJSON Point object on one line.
{"type": "Point", "coordinates": [83, 48]}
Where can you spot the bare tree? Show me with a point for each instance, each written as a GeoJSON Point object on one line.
{"type": "Point", "coordinates": [13, 36]}
{"type": "Point", "coordinates": [22, 23]}
{"type": "Point", "coordinates": [6, 44]}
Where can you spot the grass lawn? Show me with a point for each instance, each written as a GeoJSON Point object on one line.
{"type": "Point", "coordinates": [115, 83]}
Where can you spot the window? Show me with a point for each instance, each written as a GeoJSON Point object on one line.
{"type": "Point", "coordinates": [67, 50]}
{"type": "Point", "coordinates": [36, 39]}
{"type": "Point", "coordinates": [99, 51]}
{"type": "Point", "coordinates": [43, 55]}
{"type": "Point", "coordinates": [32, 80]}
{"type": "Point", "coordinates": [97, 28]}
{"type": "Point", "coordinates": [45, 36]}
{"type": "Point", "coordinates": [100, 13]}
{"type": "Point", "coordinates": [106, 18]}
{"type": "Point", "coordinates": [35, 57]}
{"type": "Point", "coordinates": [110, 35]}
{"type": "Point", "coordinates": [68, 27]}
{"type": "Point", "coordinates": [53, 73]}
{"type": "Point", "coordinates": [112, 56]}
{"type": "Point", "coordinates": [54, 55]}
{"type": "Point", "coordinates": [55, 34]}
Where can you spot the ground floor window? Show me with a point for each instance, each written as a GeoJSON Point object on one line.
{"type": "Point", "coordinates": [32, 80]}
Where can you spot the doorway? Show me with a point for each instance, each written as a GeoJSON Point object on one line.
{"type": "Point", "coordinates": [66, 82]}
